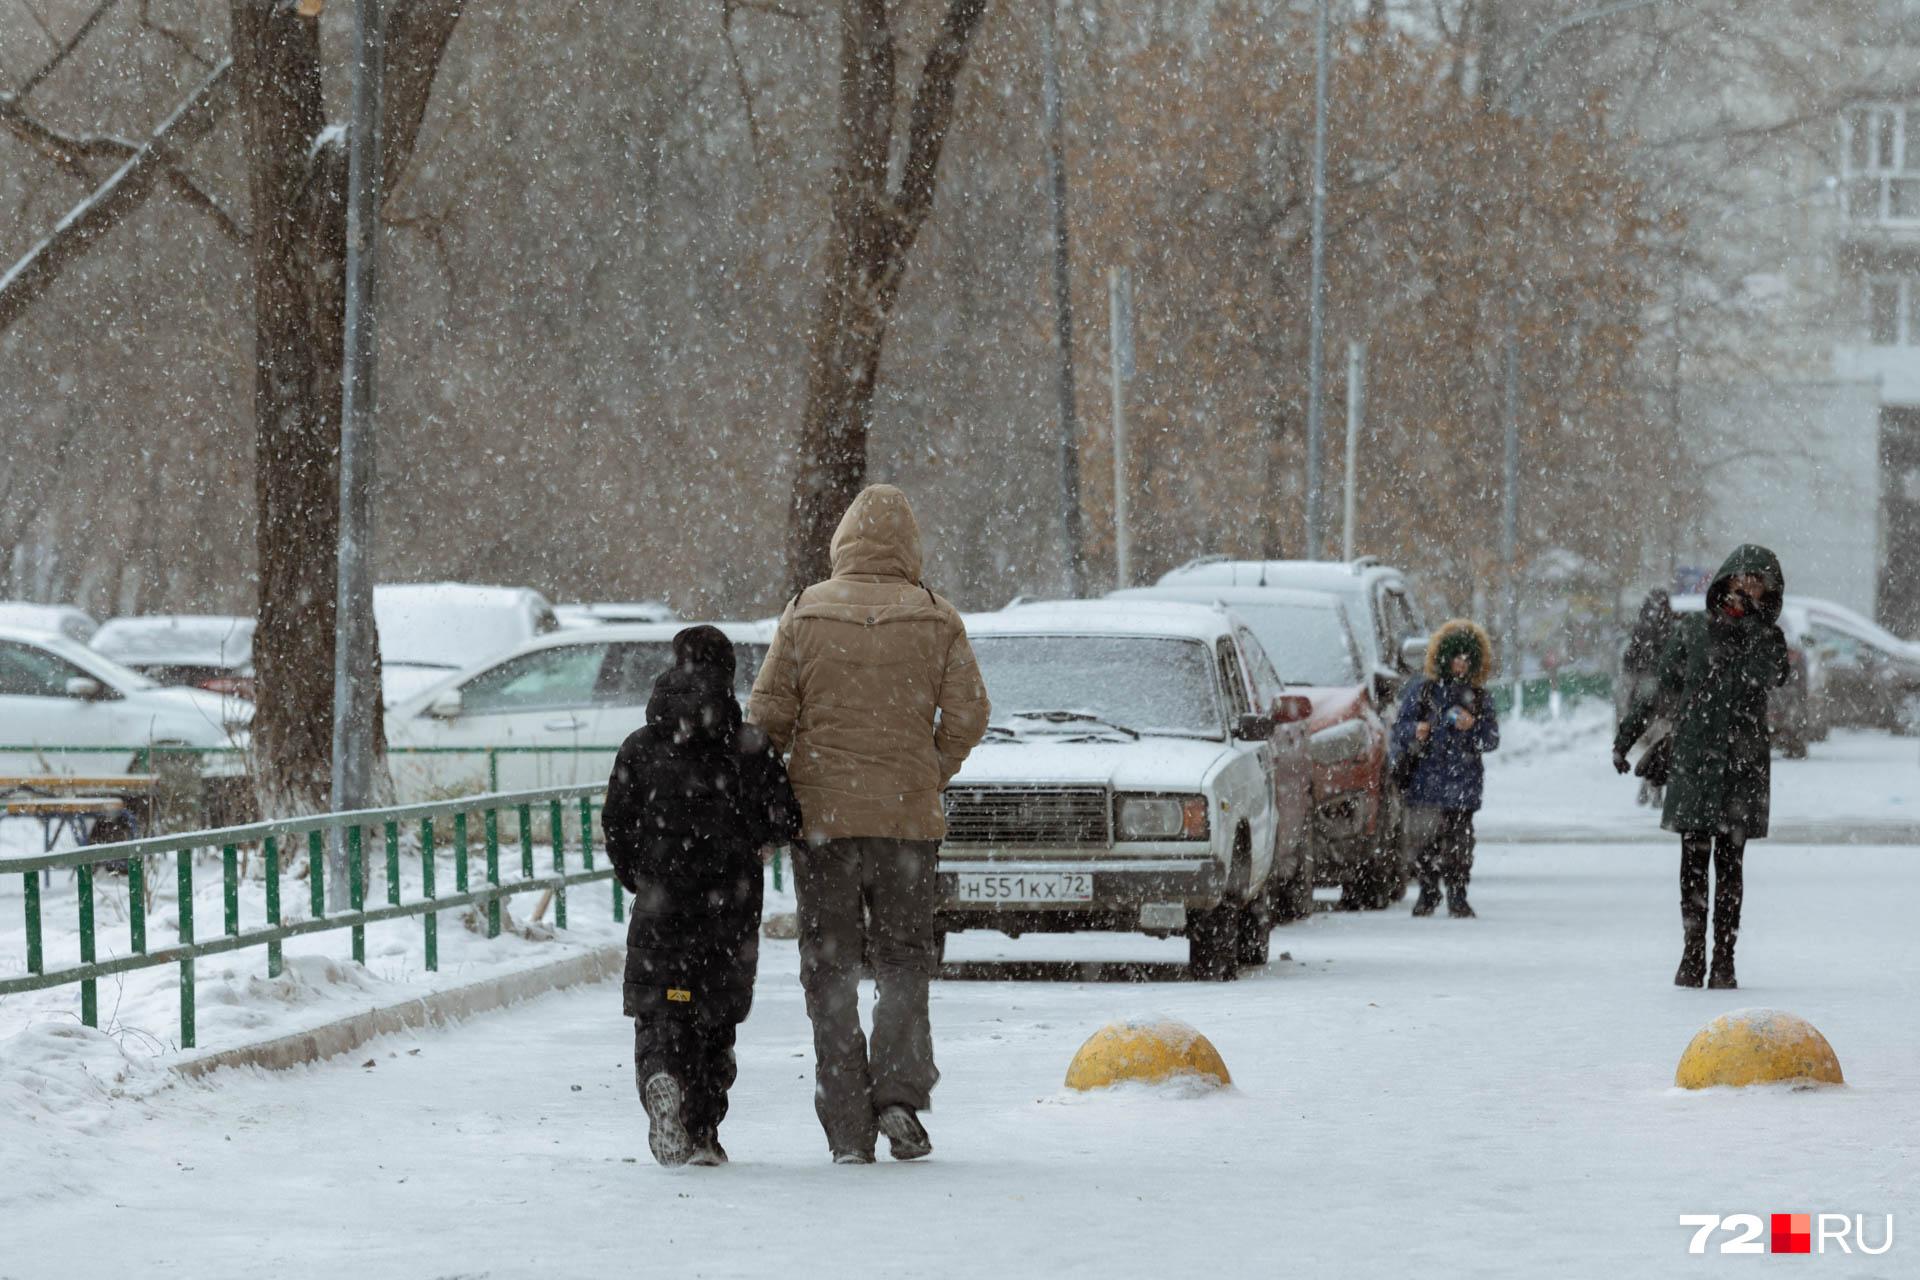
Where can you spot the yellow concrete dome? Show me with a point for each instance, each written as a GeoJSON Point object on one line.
{"type": "Point", "coordinates": [1757, 1046]}
{"type": "Point", "coordinates": [1148, 1052]}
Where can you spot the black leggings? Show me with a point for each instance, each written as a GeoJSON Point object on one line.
{"type": "Point", "coordinates": [1725, 852]}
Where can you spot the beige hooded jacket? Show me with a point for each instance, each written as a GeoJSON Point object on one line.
{"type": "Point", "coordinates": [871, 685]}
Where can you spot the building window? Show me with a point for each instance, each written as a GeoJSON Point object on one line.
{"type": "Point", "coordinates": [1880, 182]}
{"type": "Point", "coordinates": [1893, 311]}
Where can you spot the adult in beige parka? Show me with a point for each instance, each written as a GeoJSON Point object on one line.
{"type": "Point", "coordinates": [871, 687]}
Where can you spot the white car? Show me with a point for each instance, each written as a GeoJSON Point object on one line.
{"type": "Point", "coordinates": [551, 713]}
{"type": "Point", "coordinates": [56, 695]}
{"type": "Point", "coordinates": [1146, 771]}
{"type": "Point", "coordinates": [430, 630]}
{"type": "Point", "coordinates": [61, 619]}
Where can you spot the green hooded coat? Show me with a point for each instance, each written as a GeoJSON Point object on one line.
{"type": "Point", "coordinates": [1714, 680]}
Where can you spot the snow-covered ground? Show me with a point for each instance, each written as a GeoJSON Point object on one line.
{"type": "Point", "coordinates": [1551, 781]}
{"type": "Point", "coordinates": [1412, 1098]}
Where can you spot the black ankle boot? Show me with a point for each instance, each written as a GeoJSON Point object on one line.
{"type": "Point", "coordinates": [1457, 901]}
{"type": "Point", "coordinates": [1722, 978]}
{"type": "Point", "coordinates": [1693, 957]}
{"type": "Point", "coordinates": [1428, 901]}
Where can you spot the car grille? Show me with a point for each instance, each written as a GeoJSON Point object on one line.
{"type": "Point", "coordinates": [1039, 817]}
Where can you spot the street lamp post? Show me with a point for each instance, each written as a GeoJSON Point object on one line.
{"type": "Point", "coordinates": [1317, 301]}
{"type": "Point", "coordinates": [354, 688]}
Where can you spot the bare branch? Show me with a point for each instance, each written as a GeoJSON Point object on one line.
{"type": "Point", "coordinates": [933, 108]}
{"type": "Point", "coordinates": [90, 220]}
{"type": "Point", "coordinates": [186, 46]}
{"type": "Point", "coordinates": [65, 51]}
{"type": "Point", "coordinates": [727, 8]}
{"type": "Point", "coordinates": [417, 35]}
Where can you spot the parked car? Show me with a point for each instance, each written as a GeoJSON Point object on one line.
{"type": "Point", "coordinates": [552, 712]}
{"type": "Point", "coordinates": [201, 651]}
{"type": "Point", "coordinates": [57, 694]}
{"type": "Point", "coordinates": [1377, 599]}
{"type": "Point", "coordinates": [1800, 711]}
{"type": "Point", "coordinates": [600, 615]}
{"type": "Point", "coordinates": [1872, 675]}
{"type": "Point", "coordinates": [1356, 811]}
{"type": "Point", "coordinates": [61, 619]}
{"type": "Point", "coordinates": [430, 630]}
{"type": "Point", "coordinates": [1146, 770]}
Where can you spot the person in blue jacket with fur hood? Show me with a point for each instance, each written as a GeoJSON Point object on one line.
{"type": "Point", "coordinates": [1446, 723]}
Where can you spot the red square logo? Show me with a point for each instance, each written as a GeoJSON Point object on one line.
{"type": "Point", "coordinates": [1793, 1233]}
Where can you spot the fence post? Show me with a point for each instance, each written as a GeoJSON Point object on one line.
{"type": "Point", "coordinates": [492, 820]}
{"type": "Point", "coordinates": [89, 992]}
{"type": "Point", "coordinates": [272, 850]}
{"type": "Point", "coordinates": [526, 841]}
{"type": "Point", "coordinates": [230, 887]}
{"type": "Point", "coordinates": [185, 862]}
{"type": "Point", "coordinates": [316, 874]}
{"type": "Point", "coordinates": [557, 817]}
{"type": "Point", "coordinates": [136, 904]}
{"type": "Point", "coordinates": [430, 921]}
{"type": "Point", "coordinates": [460, 852]}
{"type": "Point", "coordinates": [35, 961]}
{"type": "Point", "coordinates": [357, 890]}
{"type": "Point", "coordinates": [393, 863]}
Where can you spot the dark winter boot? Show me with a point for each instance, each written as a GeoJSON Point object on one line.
{"type": "Point", "coordinates": [707, 1151]}
{"type": "Point", "coordinates": [1722, 978]}
{"type": "Point", "coordinates": [666, 1130]}
{"type": "Point", "coordinates": [905, 1134]}
{"type": "Point", "coordinates": [1693, 957]}
{"type": "Point", "coordinates": [1429, 898]}
{"type": "Point", "coordinates": [1457, 900]}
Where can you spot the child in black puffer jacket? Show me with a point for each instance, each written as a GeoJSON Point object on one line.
{"type": "Point", "coordinates": [694, 798]}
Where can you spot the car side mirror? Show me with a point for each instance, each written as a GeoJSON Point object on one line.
{"type": "Point", "coordinates": [1253, 728]}
{"type": "Point", "coordinates": [1291, 708]}
{"type": "Point", "coordinates": [84, 687]}
{"type": "Point", "coordinates": [1413, 655]}
{"type": "Point", "coordinates": [1385, 681]}
{"type": "Point", "coordinates": [446, 706]}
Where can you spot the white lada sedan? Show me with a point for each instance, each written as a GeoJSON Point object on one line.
{"type": "Point", "coordinates": [1146, 770]}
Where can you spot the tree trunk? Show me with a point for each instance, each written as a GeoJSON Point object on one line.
{"type": "Point", "coordinates": [872, 232]}
{"type": "Point", "coordinates": [297, 177]}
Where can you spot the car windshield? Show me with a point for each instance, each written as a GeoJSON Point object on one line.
{"type": "Point", "coordinates": [1148, 684]}
{"type": "Point", "coordinates": [213, 642]}
{"type": "Point", "coordinates": [1308, 644]}
{"type": "Point", "coordinates": [627, 676]}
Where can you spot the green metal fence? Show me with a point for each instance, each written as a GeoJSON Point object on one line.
{"type": "Point", "coordinates": [361, 831]}
{"type": "Point", "coordinates": [1537, 693]}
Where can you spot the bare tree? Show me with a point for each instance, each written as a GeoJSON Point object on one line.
{"type": "Point", "coordinates": [873, 229]}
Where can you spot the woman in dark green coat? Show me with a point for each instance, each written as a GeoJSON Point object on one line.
{"type": "Point", "coordinates": [1718, 670]}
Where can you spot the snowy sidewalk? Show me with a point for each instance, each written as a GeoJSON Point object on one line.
{"type": "Point", "coordinates": [1414, 1098]}
{"type": "Point", "coordinates": [1553, 782]}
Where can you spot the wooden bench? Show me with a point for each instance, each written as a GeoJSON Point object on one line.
{"type": "Point", "coordinates": [74, 804]}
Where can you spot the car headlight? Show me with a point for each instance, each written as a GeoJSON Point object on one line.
{"type": "Point", "coordinates": [1160, 817]}
{"type": "Point", "coordinates": [1348, 740]}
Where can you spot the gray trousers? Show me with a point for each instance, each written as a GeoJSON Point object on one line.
{"type": "Point", "coordinates": [874, 898]}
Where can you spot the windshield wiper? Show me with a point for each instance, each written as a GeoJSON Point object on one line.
{"type": "Point", "coordinates": [1008, 730]}
{"type": "Point", "coordinates": [1076, 717]}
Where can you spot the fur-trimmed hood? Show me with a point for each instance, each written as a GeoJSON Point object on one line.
{"type": "Point", "coordinates": [1452, 628]}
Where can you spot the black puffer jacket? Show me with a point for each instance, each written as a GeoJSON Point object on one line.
{"type": "Point", "coordinates": [693, 798]}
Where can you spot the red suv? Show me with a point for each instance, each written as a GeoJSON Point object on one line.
{"type": "Point", "coordinates": [1356, 818]}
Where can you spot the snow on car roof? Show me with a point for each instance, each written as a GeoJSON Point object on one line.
{"type": "Point", "coordinates": [1208, 593]}
{"type": "Point", "coordinates": [177, 638]}
{"type": "Point", "coordinates": [1169, 618]}
{"type": "Point", "coordinates": [1315, 575]}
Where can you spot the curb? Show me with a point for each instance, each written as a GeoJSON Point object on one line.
{"type": "Point", "coordinates": [436, 1009]}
